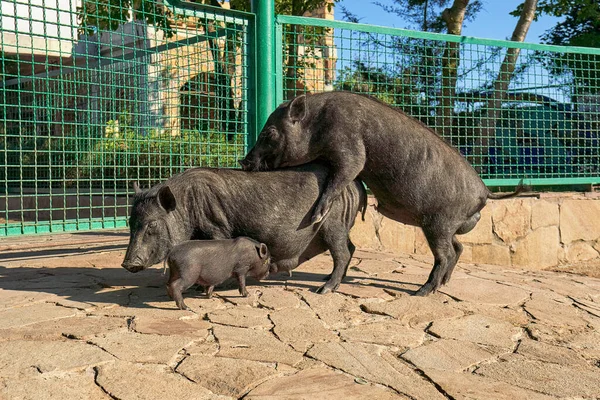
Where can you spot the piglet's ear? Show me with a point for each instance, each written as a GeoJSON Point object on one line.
{"type": "Point", "coordinates": [136, 188]}
{"type": "Point", "coordinates": [262, 251]}
{"type": "Point", "coordinates": [297, 109]}
{"type": "Point", "coordinates": [166, 199]}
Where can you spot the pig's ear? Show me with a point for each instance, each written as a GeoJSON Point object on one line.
{"type": "Point", "coordinates": [297, 109]}
{"type": "Point", "coordinates": [136, 188]}
{"type": "Point", "coordinates": [166, 199]}
{"type": "Point", "coordinates": [262, 250]}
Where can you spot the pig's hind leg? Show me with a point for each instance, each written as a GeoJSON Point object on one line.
{"type": "Point", "coordinates": [443, 246]}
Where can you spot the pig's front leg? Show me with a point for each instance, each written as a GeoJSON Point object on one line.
{"type": "Point", "coordinates": [241, 278]}
{"type": "Point", "coordinates": [209, 291]}
{"type": "Point", "coordinates": [341, 174]}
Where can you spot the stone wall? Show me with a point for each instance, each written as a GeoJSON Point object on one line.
{"type": "Point", "coordinates": [536, 232]}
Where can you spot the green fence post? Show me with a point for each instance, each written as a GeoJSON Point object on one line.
{"type": "Point", "coordinates": [265, 59]}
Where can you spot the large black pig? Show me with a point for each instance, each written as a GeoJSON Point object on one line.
{"type": "Point", "coordinates": [417, 178]}
{"type": "Point", "coordinates": [273, 208]}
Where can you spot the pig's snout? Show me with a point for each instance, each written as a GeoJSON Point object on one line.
{"type": "Point", "coordinates": [245, 164]}
{"type": "Point", "coordinates": [133, 265]}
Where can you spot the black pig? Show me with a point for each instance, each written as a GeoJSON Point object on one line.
{"type": "Point", "coordinates": [417, 178]}
{"type": "Point", "coordinates": [273, 208]}
{"type": "Point", "coordinates": [211, 262]}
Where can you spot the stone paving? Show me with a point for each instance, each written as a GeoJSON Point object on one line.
{"type": "Point", "coordinates": [74, 325]}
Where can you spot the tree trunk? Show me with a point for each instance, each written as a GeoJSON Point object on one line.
{"type": "Point", "coordinates": [493, 107]}
{"type": "Point", "coordinates": [453, 17]}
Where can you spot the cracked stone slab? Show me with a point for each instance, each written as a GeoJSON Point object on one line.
{"type": "Point", "coordinates": [196, 327]}
{"type": "Point", "coordinates": [552, 379]}
{"type": "Point", "coordinates": [451, 355]}
{"type": "Point", "coordinates": [19, 357]}
{"type": "Point", "coordinates": [483, 291]}
{"type": "Point", "coordinates": [229, 376]}
{"type": "Point", "coordinates": [478, 329]}
{"type": "Point", "coordinates": [549, 311]}
{"type": "Point", "coordinates": [374, 267]}
{"type": "Point", "coordinates": [465, 386]}
{"type": "Point", "coordinates": [541, 351]}
{"type": "Point", "coordinates": [233, 296]}
{"type": "Point", "coordinates": [375, 364]}
{"type": "Point", "coordinates": [161, 312]}
{"type": "Point", "coordinates": [588, 343]}
{"type": "Point", "coordinates": [277, 299]}
{"type": "Point", "coordinates": [362, 291]}
{"type": "Point", "coordinates": [300, 328]}
{"type": "Point", "coordinates": [71, 386]}
{"type": "Point", "coordinates": [588, 306]}
{"type": "Point", "coordinates": [242, 316]}
{"type": "Point", "coordinates": [20, 316]}
{"type": "Point", "coordinates": [386, 333]}
{"type": "Point", "coordinates": [319, 383]}
{"type": "Point", "coordinates": [415, 311]}
{"type": "Point", "coordinates": [561, 284]}
{"type": "Point", "coordinates": [253, 344]}
{"type": "Point", "coordinates": [515, 316]}
{"type": "Point", "coordinates": [76, 327]}
{"type": "Point", "coordinates": [15, 298]}
{"type": "Point", "coordinates": [336, 310]}
{"type": "Point", "coordinates": [137, 347]}
{"type": "Point", "coordinates": [124, 380]}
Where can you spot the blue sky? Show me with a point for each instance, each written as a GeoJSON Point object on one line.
{"type": "Point", "coordinates": [493, 22]}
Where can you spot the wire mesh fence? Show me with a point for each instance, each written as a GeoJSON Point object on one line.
{"type": "Point", "coordinates": [95, 95]}
{"type": "Point", "coordinates": [514, 110]}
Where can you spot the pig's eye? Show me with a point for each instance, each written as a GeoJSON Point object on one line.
{"type": "Point", "coordinates": [152, 226]}
{"type": "Point", "coordinates": [272, 134]}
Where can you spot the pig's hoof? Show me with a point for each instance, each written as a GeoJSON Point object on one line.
{"type": "Point", "coordinates": [425, 290]}
{"type": "Point", "coordinates": [326, 289]}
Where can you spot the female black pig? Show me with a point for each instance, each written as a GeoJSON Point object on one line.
{"type": "Point", "coordinates": [211, 262]}
{"type": "Point", "coordinates": [271, 207]}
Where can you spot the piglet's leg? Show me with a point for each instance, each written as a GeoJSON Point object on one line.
{"type": "Point", "coordinates": [209, 291]}
{"type": "Point", "coordinates": [175, 289]}
{"type": "Point", "coordinates": [242, 282]}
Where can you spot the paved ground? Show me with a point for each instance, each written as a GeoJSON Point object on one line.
{"type": "Point", "coordinates": [73, 324]}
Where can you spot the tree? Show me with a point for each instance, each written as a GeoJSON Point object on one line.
{"type": "Point", "coordinates": [453, 18]}
{"type": "Point", "coordinates": [580, 27]}
{"type": "Point", "coordinates": [98, 15]}
{"type": "Point", "coordinates": [428, 15]}
{"type": "Point", "coordinates": [430, 65]}
{"type": "Point", "coordinates": [500, 85]}
{"type": "Point", "coordinates": [108, 15]}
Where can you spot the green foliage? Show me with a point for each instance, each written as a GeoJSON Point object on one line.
{"type": "Point", "coordinates": [396, 87]}
{"type": "Point", "coordinates": [286, 7]}
{"type": "Point", "coordinates": [425, 15]}
{"type": "Point", "coordinates": [123, 153]}
{"type": "Point", "coordinates": [580, 27]}
{"type": "Point", "coordinates": [112, 156]}
{"type": "Point", "coordinates": [94, 15]}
